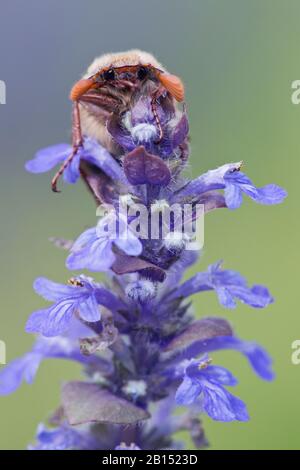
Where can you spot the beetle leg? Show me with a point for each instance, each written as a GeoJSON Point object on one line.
{"type": "Point", "coordinates": [76, 144]}
{"type": "Point", "coordinates": [104, 101]}
{"type": "Point", "coordinates": [155, 114]}
{"type": "Point", "coordinates": [122, 83]}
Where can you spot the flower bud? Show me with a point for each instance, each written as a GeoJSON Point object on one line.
{"type": "Point", "coordinates": [175, 242]}
{"type": "Point", "coordinates": [141, 291]}
{"type": "Point", "coordinates": [143, 133]}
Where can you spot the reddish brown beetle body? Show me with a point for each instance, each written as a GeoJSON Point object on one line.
{"type": "Point", "coordinates": [108, 87]}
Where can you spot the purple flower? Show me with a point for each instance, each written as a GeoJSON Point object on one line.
{"type": "Point", "coordinates": [228, 285]}
{"type": "Point", "coordinates": [54, 320]}
{"type": "Point", "coordinates": [63, 438]}
{"type": "Point", "coordinates": [92, 152]}
{"type": "Point", "coordinates": [124, 446]}
{"type": "Point", "coordinates": [258, 358]}
{"type": "Point", "coordinates": [93, 250]}
{"type": "Point", "coordinates": [26, 367]}
{"type": "Point", "coordinates": [136, 339]}
{"type": "Point", "coordinates": [205, 382]}
{"type": "Point", "coordinates": [235, 183]}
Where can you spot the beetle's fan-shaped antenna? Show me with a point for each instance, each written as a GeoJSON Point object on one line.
{"type": "Point", "coordinates": [81, 87]}
{"type": "Point", "coordinates": [173, 85]}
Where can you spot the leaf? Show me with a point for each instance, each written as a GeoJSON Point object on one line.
{"type": "Point", "coordinates": [88, 403]}
{"type": "Point", "coordinates": [181, 131]}
{"type": "Point", "coordinates": [141, 167]}
{"type": "Point", "coordinates": [125, 264]}
{"type": "Point", "coordinates": [200, 330]}
{"type": "Point", "coordinates": [99, 184]}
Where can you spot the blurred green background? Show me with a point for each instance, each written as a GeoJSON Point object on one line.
{"type": "Point", "coordinates": [238, 59]}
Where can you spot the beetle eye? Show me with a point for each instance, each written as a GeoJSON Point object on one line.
{"type": "Point", "coordinates": [109, 74]}
{"type": "Point", "coordinates": [142, 73]}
